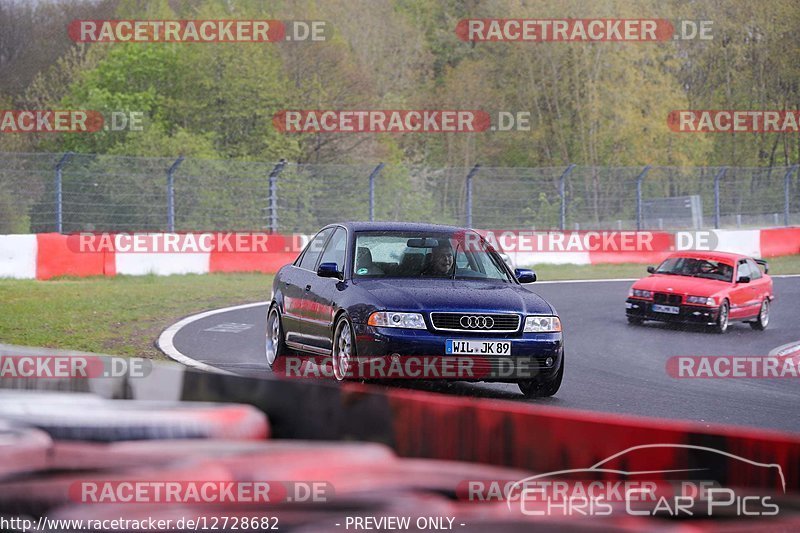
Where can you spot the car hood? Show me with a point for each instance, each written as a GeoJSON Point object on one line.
{"type": "Point", "coordinates": [684, 285]}
{"type": "Point", "coordinates": [455, 295]}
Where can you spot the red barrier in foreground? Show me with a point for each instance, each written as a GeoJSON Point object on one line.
{"type": "Point", "coordinates": [547, 439]}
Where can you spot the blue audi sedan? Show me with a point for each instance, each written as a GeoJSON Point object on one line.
{"type": "Point", "coordinates": [427, 301]}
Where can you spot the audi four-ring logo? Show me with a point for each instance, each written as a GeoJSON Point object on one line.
{"type": "Point", "coordinates": [476, 322]}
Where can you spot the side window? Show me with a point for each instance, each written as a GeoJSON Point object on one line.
{"type": "Point", "coordinates": [461, 260]}
{"type": "Point", "coordinates": [755, 272]}
{"type": "Point", "coordinates": [335, 250]}
{"type": "Point", "coordinates": [744, 270]}
{"type": "Point", "coordinates": [314, 248]}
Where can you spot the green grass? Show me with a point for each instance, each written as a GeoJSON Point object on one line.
{"type": "Point", "coordinates": [777, 265]}
{"type": "Point", "coordinates": [122, 315]}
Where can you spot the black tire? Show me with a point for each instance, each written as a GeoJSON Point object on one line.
{"type": "Point", "coordinates": [343, 347]}
{"type": "Point", "coordinates": [723, 318]}
{"type": "Point", "coordinates": [275, 345]}
{"type": "Point", "coordinates": [762, 321]}
{"type": "Point", "coordinates": [635, 320]}
{"type": "Point", "coordinates": [542, 388]}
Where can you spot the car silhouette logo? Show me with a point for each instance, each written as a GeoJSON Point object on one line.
{"type": "Point", "coordinates": [476, 322]}
{"type": "Point", "coordinates": [601, 467]}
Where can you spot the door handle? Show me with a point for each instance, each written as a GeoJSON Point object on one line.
{"type": "Point", "coordinates": [308, 287]}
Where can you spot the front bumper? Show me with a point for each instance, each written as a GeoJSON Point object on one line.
{"type": "Point", "coordinates": [687, 314]}
{"type": "Point", "coordinates": [418, 353]}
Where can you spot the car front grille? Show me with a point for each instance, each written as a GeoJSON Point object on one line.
{"type": "Point", "coordinates": [664, 298]}
{"type": "Point", "coordinates": [477, 322]}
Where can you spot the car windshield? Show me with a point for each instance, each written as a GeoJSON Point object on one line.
{"type": "Point", "coordinates": [426, 255]}
{"type": "Point", "coordinates": [696, 267]}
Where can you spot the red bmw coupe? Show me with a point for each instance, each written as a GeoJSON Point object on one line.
{"type": "Point", "coordinates": [709, 288]}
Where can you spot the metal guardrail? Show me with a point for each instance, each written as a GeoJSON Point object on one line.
{"type": "Point", "coordinates": [45, 192]}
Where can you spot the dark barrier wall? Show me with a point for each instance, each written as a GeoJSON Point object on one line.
{"type": "Point", "coordinates": [537, 438]}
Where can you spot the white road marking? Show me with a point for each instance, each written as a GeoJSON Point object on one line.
{"type": "Point", "coordinates": [230, 327]}
{"type": "Point", "coordinates": [166, 345]}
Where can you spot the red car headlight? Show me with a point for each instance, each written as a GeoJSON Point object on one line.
{"type": "Point", "coordinates": [638, 293]}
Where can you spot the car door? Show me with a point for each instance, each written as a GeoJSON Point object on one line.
{"type": "Point", "coordinates": [324, 292]}
{"type": "Point", "coordinates": [741, 295]}
{"type": "Point", "coordinates": [759, 285]}
{"type": "Point", "coordinates": [296, 287]}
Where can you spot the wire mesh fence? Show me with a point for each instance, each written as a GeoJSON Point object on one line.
{"type": "Point", "coordinates": [601, 198]}
{"type": "Point", "coordinates": [516, 197]}
{"type": "Point", "coordinates": [46, 192]}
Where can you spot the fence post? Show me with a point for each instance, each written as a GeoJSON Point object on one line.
{"type": "Point", "coordinates": [787, 180]}
{"type": "Point", "coordinates": [171, 194]}
{"type": "Point", "coordinates": [469, 193]}
{"type": "Point", "coordinates": [273, 195]}
{"type": "Point", "coordinates": [562, 192]}
{"type": "Point", "coordinates": [639, 180]}
{"type": "Point", "coordinates": [718, 177]}
{"type": "Point", "coordinates": [372, 176]}
{"type": "Point", "coordinates": [59, 194]}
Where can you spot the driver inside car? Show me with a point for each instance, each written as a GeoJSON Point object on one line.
{"type": "Point", "coordinates": [441, 263]}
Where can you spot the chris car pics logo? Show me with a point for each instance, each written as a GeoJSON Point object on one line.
{"type": "Point", "coordinates": [650, 491]}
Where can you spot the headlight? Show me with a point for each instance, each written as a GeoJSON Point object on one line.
{"type": "Point", "coordinates": [388, 319]}
{"type": "Point", "coordinates": [638, 293]}
{"type": "Point", "coordinates": [542, 324]}
{"type": "Point", "coordinates": [703, 300]}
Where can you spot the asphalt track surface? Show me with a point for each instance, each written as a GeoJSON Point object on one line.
{"type": "Point", "coordinates": [611, 366]}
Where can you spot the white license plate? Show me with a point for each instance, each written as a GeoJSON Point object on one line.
{"type": "Point", "coordinates": [671, 309]}
{"type": "Point", "coordinates": [470, 347]}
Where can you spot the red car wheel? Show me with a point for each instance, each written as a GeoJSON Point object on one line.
{"type": "Point", "coordinates": [724, 317]}
{"type": "Point", "coordinates": [763, 317]}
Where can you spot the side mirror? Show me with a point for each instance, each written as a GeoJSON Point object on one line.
{"type": "Point", "coordinates": [651, 269]}
{"type": "Point", "coordinates": [743, 279]}
{"type": "Point", "coordinates": [328, 270]}
{"type": "Point", "coordinates": [525, 275]}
